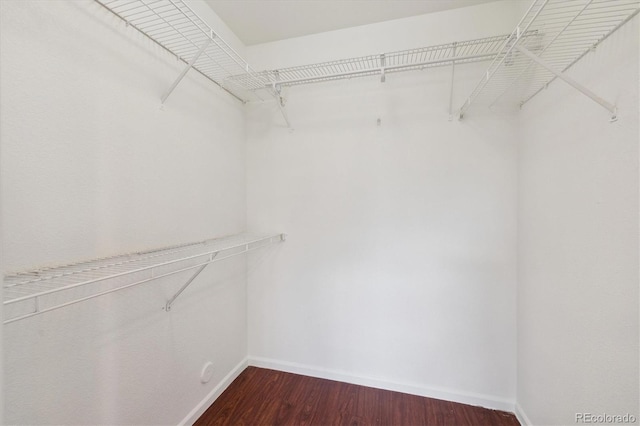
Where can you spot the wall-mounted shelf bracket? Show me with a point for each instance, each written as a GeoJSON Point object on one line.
{"type": "Point", "coordinates": [551, 37]}
{"type": "Point", "coordinates": [213, 258]}
{"type": "Point", "coordinates": [607, 105]}
{"type": "Point", "coordinates": [276, 90]}
{"type": "Point", "coordinates": [280, 102]}
{"type": "Point", "coordinates": [167, 307]}
{"type": "Point", "coordinates": [453, 70]}
{"type": "Point", "coordinates": [186, 69]}
{"type": "Point", "coordinates": [174, 26]}
{"type": "Point", "coordinates": [383, 63]}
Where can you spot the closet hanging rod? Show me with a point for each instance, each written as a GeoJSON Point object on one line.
{"type": "Point", "coordinates": [382, 69]}
{"type": "Point", "coordinates": [460, 52]}
{"type": "Point", "coordinates": [34, 292]}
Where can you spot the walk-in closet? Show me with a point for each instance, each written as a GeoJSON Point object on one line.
{"type": "Point", "coordinates": [389, 212]}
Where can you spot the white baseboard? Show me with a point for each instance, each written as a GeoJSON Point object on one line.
{"type": "Point", "coordinates": [521, 416]}
{"type": "Point", "coordinates": [486, 401]}
{"type": "Point", "coordinates": [214, 394]}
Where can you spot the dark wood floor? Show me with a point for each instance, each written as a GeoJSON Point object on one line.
{"type": "Point", "coordinates": [267, 397]}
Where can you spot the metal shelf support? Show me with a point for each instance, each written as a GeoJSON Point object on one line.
{"type": "Point", "coordinates": [551, 37]}
{"type": "Point", "coordinates": [524, 69]}
{"type": "Point", "coordinates": [185, 70]}
{"type": "Point", "coordinates": [276, 91]}
{"type": "Point", "coordinates": [607, 105]}
{"type": "Point", "coordinates": [453, 71]}
{"type": "Point", "coordinates": [173, 25]}
{"type": "Point", "coordinates": [593, 47]}
{"type": "Point", "coordinates": [510, 43]}
{"type": "Point", "coordinates": [280, 102]}
{"type": "Point", "coordinates": [167, 307]}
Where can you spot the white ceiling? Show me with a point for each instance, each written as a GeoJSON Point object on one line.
{"type": "Point", "coordinates": [262, 21]}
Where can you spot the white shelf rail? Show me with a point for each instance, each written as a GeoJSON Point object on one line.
{"type": "Point", "coordinates": [468, 51]}
{"type": "Point", "coordinates": [31, 293]}
{"type": "Point", "coordinates": [178, 29]}
{"type": "Point", "coordinates": [559, 33]}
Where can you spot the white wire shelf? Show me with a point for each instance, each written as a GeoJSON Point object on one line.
{"type": "Point", "coordinates": [560, 33]}
{"type": "Point", "coordinates": [42, 290]}
{"type": "Point", "coordinates": [177, 28]}
{"type": "Point", "coordinates": [468, 51]}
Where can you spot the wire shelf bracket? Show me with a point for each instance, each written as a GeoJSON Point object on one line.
{"type": "Point", "coordinates": [34, 292]}
{"type": "Point", "coordinates": [174, 26]}
{"type": "Point", "coordinates": [559, 34]}
{"type": "Point", "coordinates": [607, 105]}
{"type": "Point", "coordinates": [280, 102]}
{"type": "Point", "coordinates": [184, 72]}
{"type": "Point", "coordinates": [453, 74]}
{"type": "Point", "coordinates": [276, 92]}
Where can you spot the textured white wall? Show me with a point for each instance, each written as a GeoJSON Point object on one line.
{"type": "Point", "coordinates": [400, 266]}
{"type": "Point", "coordinates": [91, 166]}
{"type": "Point", "coordinates": [578, 242]}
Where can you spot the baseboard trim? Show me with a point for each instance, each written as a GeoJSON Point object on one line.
{"type": "Point", "coordinates": [214, 394]}
{"type": "Point", "coordinates": [486, 401]}
{"type": "Point", "coordinates": [521, 416]}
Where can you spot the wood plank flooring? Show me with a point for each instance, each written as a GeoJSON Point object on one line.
{"type": "Point", "coordinates": [267, 397]}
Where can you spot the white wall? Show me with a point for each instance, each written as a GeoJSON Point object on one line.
{"type": "Point", "coordinates": [91, 166]}
{"type": "Point", "coordinates": [1, 311]}
{"type": "Point", "coordinates": [578, 242]}
{"type": "Point", "coordinates": [400, 266]}
{"type": "Point", "coordinates": [485, 20]}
